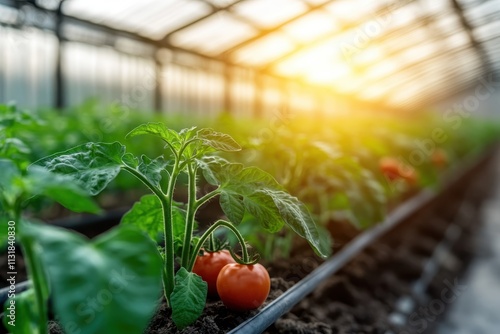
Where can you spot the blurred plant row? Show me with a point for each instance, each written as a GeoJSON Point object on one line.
{"type": "Point", "coordinates": [349, 168]}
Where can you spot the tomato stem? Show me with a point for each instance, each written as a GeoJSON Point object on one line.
{"type": "Point", "coordinates": [166, 204]}
{"type": "Point", "coordinates": [221, 223]}
{"type": "Point", "coordinates": [191, 211]}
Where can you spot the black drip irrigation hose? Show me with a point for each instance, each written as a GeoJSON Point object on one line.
{"type": "Point", "coordinates": [405, 305]}
{"type": "Point", "coordinates": [278, 307]}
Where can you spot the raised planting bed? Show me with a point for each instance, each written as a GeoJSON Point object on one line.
{"type": "Point", "coordinates": [375, 282]}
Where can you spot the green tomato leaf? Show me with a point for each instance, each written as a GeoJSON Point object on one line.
{"type": "Point", "coordinates": [233, 207]}
{"type": "Point", "coordinates": [130, 160]}
{"type": "Point", "coordinates": [147, 215]}
{"type": "Point", "coordinates": [262, 207]}
{"type": "Point", "coordinates": [262, 197]}
{"type": "Point", "coordinates": [14, 146]}
{"type": "Point", "coordinates": [152, 169]}
{"type": "Point", "coordinates": [218, 140]}
{"type": "Point", "coordinates": [188, 298]}
{"type": "Point", "coordinates": [61, 188]}
{"type": "Point", "coordinates": [93, 165]}
{"type": "Point", "coordinates": [217, 170]}
{"type": "Point", "coordinates": [298, 218]}
{"type": "Point", "coordinates": [21, 314]}
{"type": "Point", "coordinates": [159, 130]}
{"type": "Point", "coordinates": [109, 285]}
{"type": "Point", "coordinates": [9, 176]}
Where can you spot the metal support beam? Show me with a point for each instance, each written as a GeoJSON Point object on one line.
{"type": "Point", "coordinates": [481, 52]}
{"type": "Point", "coordinates": [215, 10]}
{"type": "Point", "coordinates": [266, 32]}
{"type": "Point", "coordinates": [59, 77]}
{"type": "Point", "coordinates": [158, 94]}
{"type": "Point", "coordinates": [258, 95]}
{"type": "Point", "coordinates": [228, 92]}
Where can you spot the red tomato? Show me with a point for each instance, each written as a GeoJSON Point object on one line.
{"type": "Point", "coordinates": [394, 169]}
{"type": "Point", "coordinates": [243, 287]}
{"type": "Point", "coordinates": [439, 158]}
{"type": "Point", "coordinates": [208, 267]}
{"type": "Point", "coordinates": [390, 168]}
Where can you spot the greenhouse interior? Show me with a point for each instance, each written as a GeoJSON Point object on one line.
{"type": "Point", "coordinates": [250, 166]}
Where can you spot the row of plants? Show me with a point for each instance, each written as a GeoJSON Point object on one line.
{"type": "Point", "coordinates": [342, 169]}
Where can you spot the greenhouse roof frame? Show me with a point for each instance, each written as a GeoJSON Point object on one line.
{"type": "Point", "coordinates": [442, 21]}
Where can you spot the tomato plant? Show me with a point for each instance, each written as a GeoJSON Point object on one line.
{"type": "Point", "coordinates": [189, 152]}
{"type": "Point", "coordinates": [243, 287]}
{"type": "Point", "coordinates": [208, 266]}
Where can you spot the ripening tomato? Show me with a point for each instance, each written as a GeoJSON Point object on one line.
{"type": "Point", "coordinates": [390, 167]}
{"type": "Point", "coordinates": [439, 158]}
{"type": "Point", "coordinates": [208, 267]}
{"type": "Point", "coordinates": [243, 287]}
{"type": "Point", "coordinates": [394, 169]}
{"type": "Point", "coordinates": [409, 174]}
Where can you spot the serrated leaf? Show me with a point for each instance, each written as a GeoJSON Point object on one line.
{"type": "Point", "coordinates": [61, 188]}
{"type": "Point", "coordinates": [188, 298]}
{"type": "Point", "coordinates": [217, 170]}
{"type": "Point", "coordinates": [157, 129]}
{"type": "Point", "coordinates": [218, 140]}
{"type": "Point", "coordinates": [147, 215]}
{"type": "Point", "coordinates": [130, 160]}
{"type": "Point", "coordinates": [93, 165]}
{"type": "Point", "coordinates": [15, 145]}
{"type": "Point", "coordinates": [114, 281]}
{"type": "Point", "coordinates": [152, 169]}
{"type": "Point", "coordinates": [23, 316]}
{"type": "Point", "coordinates": [187, 133]}
{"type": "Point", "coordinates": [8, 189]}
{"type": "Point", "coordinates": [262, 207]}
{"type": "Point", "coordinates": [298, 218]}
{"type": "Point", "coordinates": [232, 205]}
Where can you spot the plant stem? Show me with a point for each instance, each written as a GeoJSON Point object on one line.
{"type": "Point", "coordinates": [209, 231]}
{"type": "Point", "coordinates": [166, 204]}
{"type": "Point", "coordinates": [169, 281]}
{"type": "Point", "coordinates": [35, 273]}
{"type": "Point", "coordinates": [211, 242]}
{"type": "Point", "coordinates": [191, 210]}
{"type": "Point", "coordinates": [202, 200]}
{"type": "Point", "coordinates": [37, 279]}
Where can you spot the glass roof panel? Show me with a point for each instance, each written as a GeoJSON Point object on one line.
{"type": "Point", "coordinates": [267, 13]}
{"type": "Point", "coordinates": [313, 25]}
{"type": "Point", "coordinates": [317, 2]}
{"type": "Point", "coordinates": [353, 10]}
{"type": "Point", "coordinates": [221, 3]}
{"type": "Point", "coordinates": [487, 31]}
{"type": "Point", "coordinates": [317, 56]}
{"type": "Point", "coordinates": [213, 35]}
{"type": "Point", "coordinates": [264, 50]}
{"type": "Point", "coordinates": [150, 18]}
